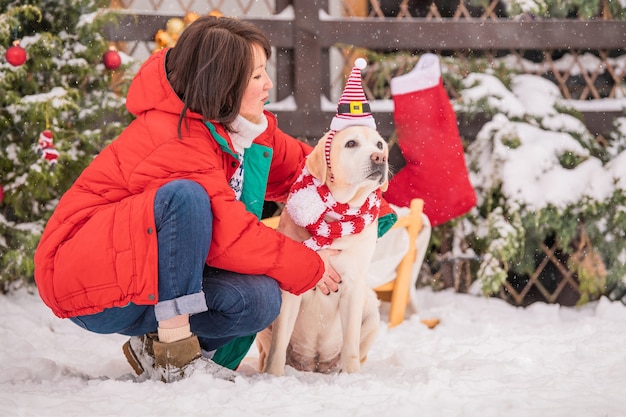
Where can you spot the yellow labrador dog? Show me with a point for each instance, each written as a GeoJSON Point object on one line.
{"type": "Point", "coordinates": [333, 333]}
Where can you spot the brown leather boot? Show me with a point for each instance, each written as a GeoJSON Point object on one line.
{"type": "Point", "coordinates": [139, 352]}
{"type": "Point", "coordinates": [142, 352]}
{"type": "Point", "coordinates": [171, 359]}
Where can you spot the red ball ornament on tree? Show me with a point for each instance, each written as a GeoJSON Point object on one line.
{"type": "Point", "coordinates": [1, 193]}
{"type": "Point", "coordinates": [112, 59]}
{"type": "Point", "coordinates": [16, 55]}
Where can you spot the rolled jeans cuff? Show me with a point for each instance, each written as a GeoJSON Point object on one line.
{"type": "Point", "coordinates": [187, 304]}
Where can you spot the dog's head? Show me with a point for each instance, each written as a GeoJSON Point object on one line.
{"type": "Point", "coordinates": [358, 159]}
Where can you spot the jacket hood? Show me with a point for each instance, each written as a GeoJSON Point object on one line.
{"type": "Point", "coordinates": [150, 89]}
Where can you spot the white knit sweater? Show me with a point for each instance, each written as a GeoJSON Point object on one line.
{"type": "Point", "coordinates": [244, 134]}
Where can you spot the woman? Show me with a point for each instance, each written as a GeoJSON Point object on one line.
{"type": "Point", "coordinates": [159, 238]}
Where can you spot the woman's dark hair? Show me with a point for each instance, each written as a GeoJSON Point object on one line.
{"type": "Point", "coordinates": [211, 64]}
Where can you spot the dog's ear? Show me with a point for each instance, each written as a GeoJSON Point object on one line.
{"type": "Point", "coordinates": [316, 161]}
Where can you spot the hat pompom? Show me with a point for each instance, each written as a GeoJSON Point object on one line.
{"type": "Point", "coordinates": [360, 63]}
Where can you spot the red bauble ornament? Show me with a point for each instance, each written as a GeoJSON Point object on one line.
{"type": "Point", "coordinates": [112, 59]}
{"type": "Point", "coordinates": [16, 55]}
{"type": "Point", "coordinates": [1, 193]}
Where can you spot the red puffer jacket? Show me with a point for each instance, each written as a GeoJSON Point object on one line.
{"type": "Point", "coordinates": [99, 249]}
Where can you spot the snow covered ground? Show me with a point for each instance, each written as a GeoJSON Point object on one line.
{"type": "Point", "coordinates": [485, 359]}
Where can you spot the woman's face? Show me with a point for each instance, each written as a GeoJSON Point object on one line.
{"type": "Point", "coordinates": [257, 91]}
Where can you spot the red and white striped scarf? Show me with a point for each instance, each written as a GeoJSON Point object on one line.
{"type": "Point", "coordinates": [310, 203]}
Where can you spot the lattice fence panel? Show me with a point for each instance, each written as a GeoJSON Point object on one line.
{"type": "Point", "coordinates": [437, 9]}
{"type": "Point", "coordinates": [579, 74]}
{"type": "Point", "coordinates": [140, 50]}
{"type": "Point", "coordinates": [551, 281]}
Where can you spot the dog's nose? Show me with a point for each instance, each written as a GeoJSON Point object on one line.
{"type": "Point", "coordinates": [379, 158]}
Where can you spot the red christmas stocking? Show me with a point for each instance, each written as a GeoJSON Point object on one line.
{"type": "Point", "coordinates": [430, 143]}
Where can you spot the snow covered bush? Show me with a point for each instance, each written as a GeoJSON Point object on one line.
{"type": "Point", "coordinates": [540, 175]}
{"type": "Point", "coordinates": [584, 9]}
{"type": "Point", "coordinates": [64, 88]}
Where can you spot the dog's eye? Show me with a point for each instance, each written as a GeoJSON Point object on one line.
{"type": "Point", "coordinates": [351, 144]}
{"type": "Point", "coordinates": [379, 145]}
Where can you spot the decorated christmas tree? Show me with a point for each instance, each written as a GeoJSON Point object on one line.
{"type": "Point", "coordinates": [62, 100]}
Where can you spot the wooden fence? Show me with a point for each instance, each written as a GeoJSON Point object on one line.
{"type": "Point", "coordinates": [303, 33]}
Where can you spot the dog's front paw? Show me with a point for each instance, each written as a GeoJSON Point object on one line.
{"type": "Point", "coordinates": [351, 366]}
{"type": "Point", "coordinates": [275, 369]}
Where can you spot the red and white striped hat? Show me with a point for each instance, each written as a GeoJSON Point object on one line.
{"type": "Point", "coordinates": [353, 108]}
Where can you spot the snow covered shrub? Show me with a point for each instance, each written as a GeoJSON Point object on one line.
{"type": "Point", "coordinates": [540, 175]}
{"type": "Point", "coordinates": [584, 9]}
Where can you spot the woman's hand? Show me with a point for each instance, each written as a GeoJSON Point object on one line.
{"type": "Point", "coordinates": [289, 228]}
{"type": "Point", "coordinates": [331, 279]}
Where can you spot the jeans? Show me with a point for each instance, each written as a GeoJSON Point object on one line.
{"type": "Point", "coordinates": [222, 305]}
